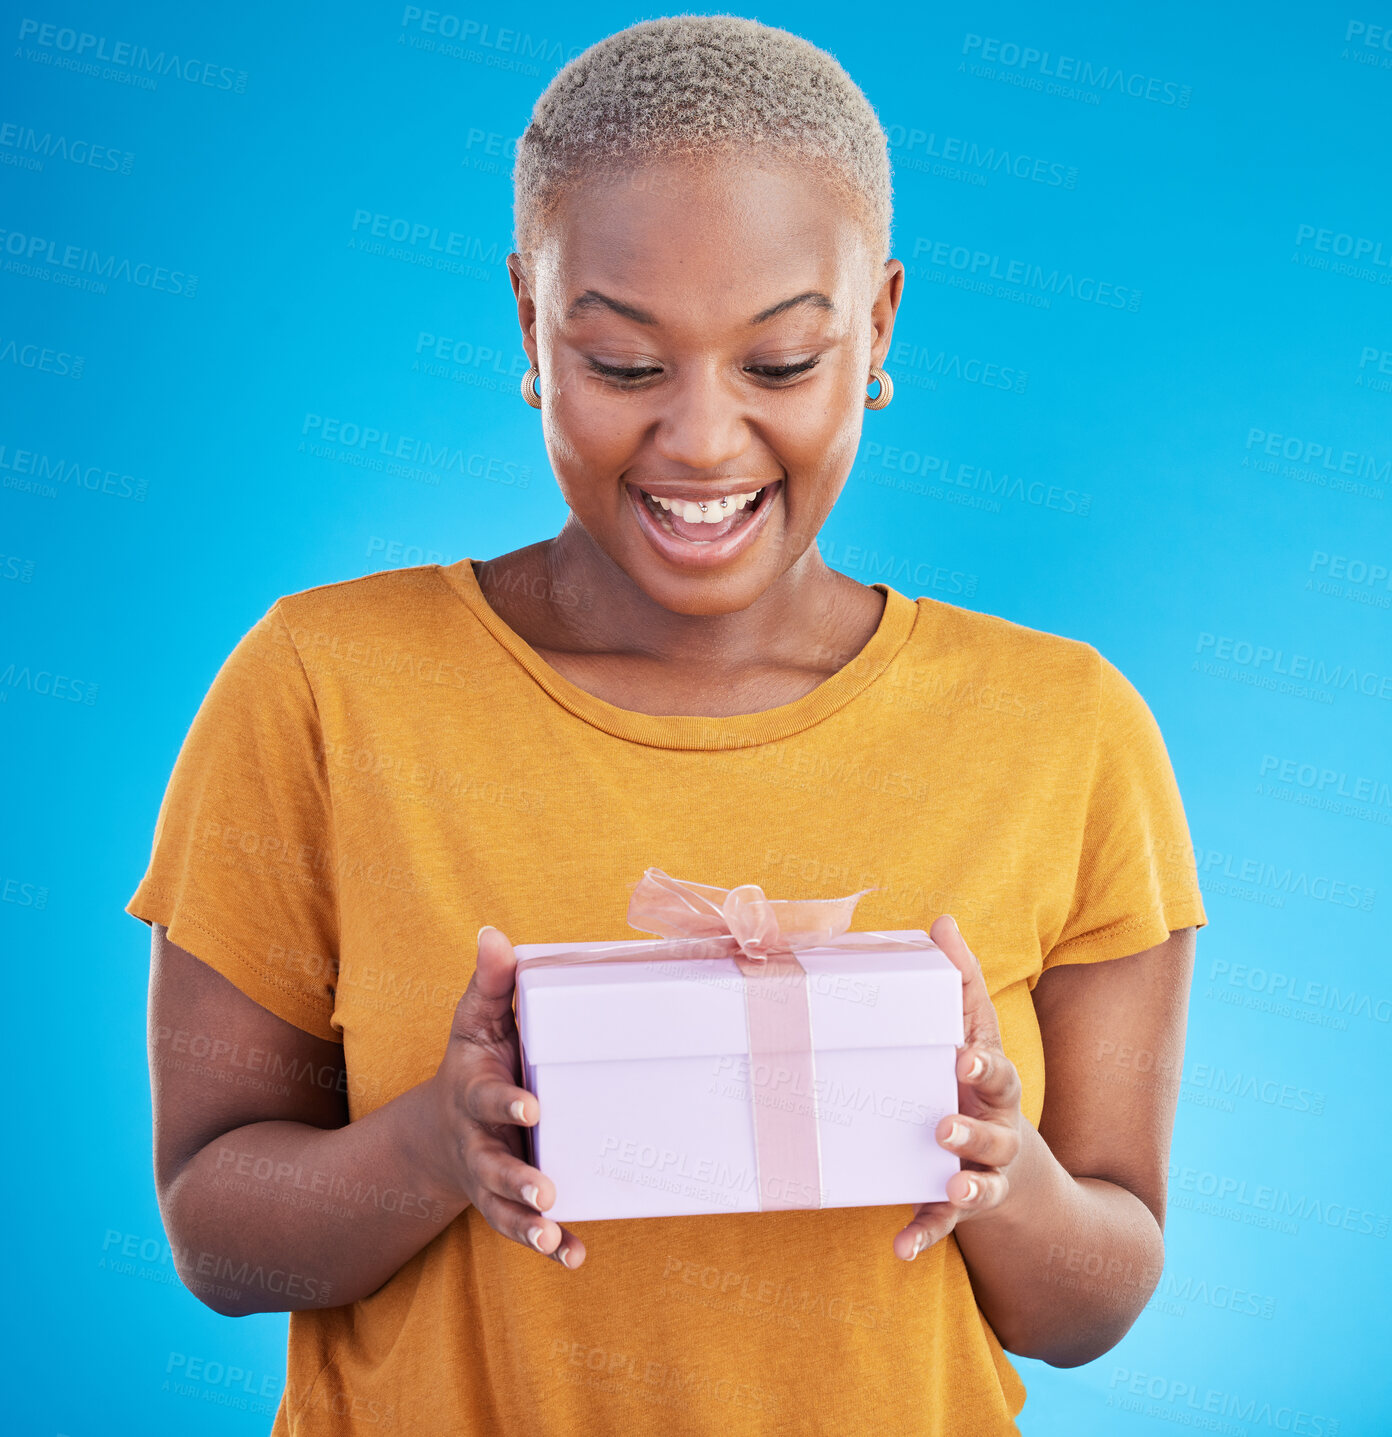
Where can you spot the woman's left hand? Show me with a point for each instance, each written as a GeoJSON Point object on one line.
{"type": "Point", "coordinates": [986, 1134]}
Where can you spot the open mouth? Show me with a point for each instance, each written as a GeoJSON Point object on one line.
{"type": "Point", "coordinates": [705, 521]}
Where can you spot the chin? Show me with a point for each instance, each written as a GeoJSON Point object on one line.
{"type": "Point", "coordinates": [715, 595]}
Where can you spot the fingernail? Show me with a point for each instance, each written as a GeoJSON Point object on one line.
{"type": "Point", "coordinates": [952, 921]}
{"type": "Point", "coordinates": [481, 932]}
{"type": "Point", "coordinates": [534, 1237]}
{"type": "Point", "coordinates": [957, 1134]}
{"type": "Point", "coordinates": [530, 1195]}
{"type": "Point", "coordinates": [978, 1066]}
{"type": "Point", "coordinates": [564, 1255]}
{"type": "Point", "coordinates": [519, 1111]}
{"type": "Point", "coordinates": [973, 1188]}
{"type": "Point", "coordinates": [918, 1246]}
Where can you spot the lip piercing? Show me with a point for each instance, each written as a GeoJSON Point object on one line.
{"type": "Point", "coordinates": [702, 508]}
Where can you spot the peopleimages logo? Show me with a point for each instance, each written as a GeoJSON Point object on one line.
{"type": "Point", "coordinates": [417, 234]}
{"type": "Point", "coordinates": [372, 447]}
{"type": "Point", "coordinates": [48, 471]}
{"type": "Point", "coordinates": [1303, 1207]}
{"type": "Point", "coordinates": [1350, 577]}
{"type": "Point", "coordinates": [1295, 988]}
{"type": "Point", "coordinates": [1320, 454]}
{"type": "Point", "coordinates": [43, 258]}
{"type": "Point", "coordinates": [981, 266]}
{"type": "Point", "coordinates": [496, 44]}
{"type": "Point", "coordinates": [24, 147]}
{"type": "Point", "coordinates": [1358, 248]}
{"type": "Point", "coordinates": [981, 157]}
{"type": "Point", "coordinates": [41, 358]}
{"type": "Point", "coordinates": [1332, 781]}
{"type": "Point", "coordinates": [1085, 73]}
{"type": "Point", "coordinates": [1191, 1405]}
{"type": "Point", "coordinates": [1261, 658]}
{"type": "Point", "coordinates": [1279, 879]}
{"type": "Point", "coordinates": [80, 48]}
{"type": "Point", "coordinates": [921, 360]}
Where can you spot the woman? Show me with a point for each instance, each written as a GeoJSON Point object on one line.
{"type": "Point", "coordinates": [675, 680]}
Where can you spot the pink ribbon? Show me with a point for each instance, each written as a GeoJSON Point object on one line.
{"type": "Point", "coordinates": [763, 937]}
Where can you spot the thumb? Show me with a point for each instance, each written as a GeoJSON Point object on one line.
{"type": "Point", "coordinates": [485, 1010]}
{"type": "Point", "coordinates": [496, 970]}
{"type": "Point", "coordinates": [978, 1012]}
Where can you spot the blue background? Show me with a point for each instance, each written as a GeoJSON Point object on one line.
{"type": "Point", "coordinates": [1229, 425]}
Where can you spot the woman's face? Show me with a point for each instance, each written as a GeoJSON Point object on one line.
{"type": "Point", "coordinates": [703, 332]}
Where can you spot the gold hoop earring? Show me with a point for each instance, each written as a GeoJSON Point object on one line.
{"type": "Point", "coordinates": [530, 392]}
{"type": "Point", "coordinates": [886, 388]}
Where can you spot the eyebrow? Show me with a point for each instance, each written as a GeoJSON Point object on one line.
{"type": "Point", "coordinates": [592, 299]}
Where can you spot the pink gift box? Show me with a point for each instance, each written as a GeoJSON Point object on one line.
{"type": "Point", "coordinates": [644, 1076]}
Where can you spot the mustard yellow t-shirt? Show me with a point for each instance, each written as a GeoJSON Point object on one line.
{"type": "Point", "coordinates": [383, 765]}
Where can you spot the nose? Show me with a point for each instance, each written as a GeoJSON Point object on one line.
{"type": "Point", "coordinates": [702, 423]}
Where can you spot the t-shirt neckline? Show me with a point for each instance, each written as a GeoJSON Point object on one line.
{"type": "Point", "coordinates": [697, 731]}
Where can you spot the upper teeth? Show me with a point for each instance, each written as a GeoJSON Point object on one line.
{"type": "Point", "coordinates": [705, 511]}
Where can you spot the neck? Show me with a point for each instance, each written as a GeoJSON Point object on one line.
{"type": "Point", "coordinates": [794, 620]}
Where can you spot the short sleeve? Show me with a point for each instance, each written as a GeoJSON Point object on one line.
{"type": "Point", "coordinates": [1136, 879]}
{"type": "Point", "coordinates": [241, 869]}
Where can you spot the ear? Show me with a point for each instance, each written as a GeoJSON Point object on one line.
{"type": "Point", "coordinates": [526, 303]}
{"type": "Point", "coordinates": [890, 287]}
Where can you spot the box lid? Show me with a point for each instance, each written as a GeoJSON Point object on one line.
{"type": "Point", "coordinates": [585, 1012]}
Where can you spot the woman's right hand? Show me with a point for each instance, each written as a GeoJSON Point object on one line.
{"type": "Point", "coordinates": [479, 1108]}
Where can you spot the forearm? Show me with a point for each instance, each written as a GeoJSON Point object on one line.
{"type": "Point", "coordinates": [1064, 1266]}
{"type": "Point", "coordinates": [282, 1216]}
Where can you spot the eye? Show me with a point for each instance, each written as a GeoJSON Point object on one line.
{"type": "Point", "coordinates": [624, 376]}
{"type": "Point", "coordinates": [778, 372]}
{"type": "Point", "coordinates": [631, 376]}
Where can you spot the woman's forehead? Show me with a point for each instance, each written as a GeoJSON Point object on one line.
{"type": "Point", "coordinates": [747, 225]}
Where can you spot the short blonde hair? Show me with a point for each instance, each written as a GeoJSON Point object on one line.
{"type": "Point", "coordinates": [693, 85]}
